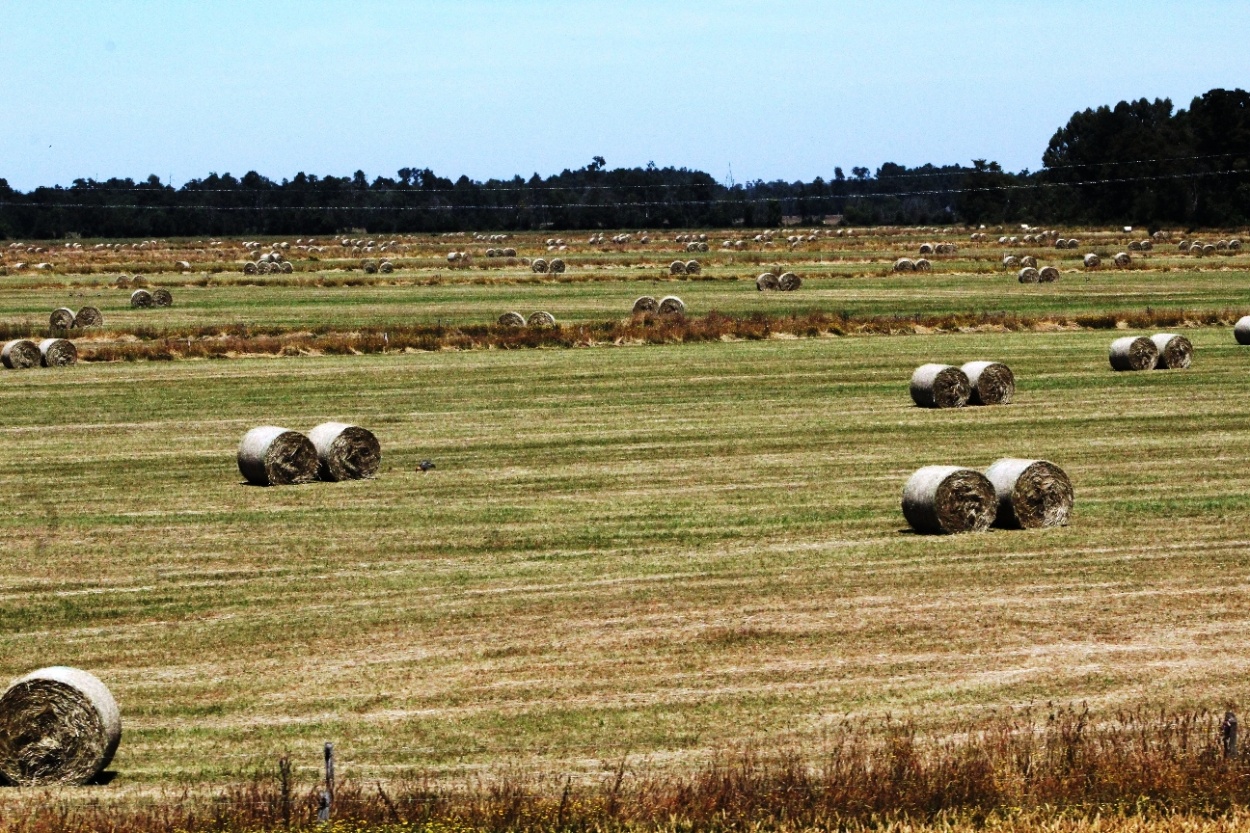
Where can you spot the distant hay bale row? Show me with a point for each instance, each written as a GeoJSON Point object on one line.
{"type": "Point", "coordinates": [1013, 493]}
{"type": "Point", "coordinates": [976, 383]}
{"type": "Point", "coordinates": [1163, 351]}
{"type": "Point", "coordinates": [332, 451]}
{"type": "Point", "coordinates": [265, 267]}
{"type": "Point", "coordinates": [501, 252]}
{"type": "Point", "coordinates": [938, 249]}
{"type": "Point", "coordinates": [20, 354]}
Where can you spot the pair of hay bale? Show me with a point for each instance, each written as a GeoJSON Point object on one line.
{"type": "Point", "coordinates": [65, 318]}
{"type": "Point", "coordinates": [536, 319]}
{"type": "Point", "coordinates": [58, 726]}
{"type": "Point", "coordinates": [1031, 274]}
{"type": "Point", "coordinates": [976, 383]}
{"type": "Point", "coordinates": [1013, 493]}
{"type": "Point", "coordinates": [689, 267]}
{"type": "Point", "coordinates": [20, 353]}
{"type": "Point", "coordinates": [786, 282]}
{"type": "Point", "coordinates": [143, 299]}
{"type": "Point", "coordinates": [1162, 351]}
{"type": "Point", "coordinates": [670, 305]}
{"type": "Point", "coordinates": [333, 451]}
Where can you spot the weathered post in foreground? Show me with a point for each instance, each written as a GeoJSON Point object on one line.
{"type": "Point", "coordinates": [1228, 734]}
{"type": "Point", "coordinates": [327, 796]}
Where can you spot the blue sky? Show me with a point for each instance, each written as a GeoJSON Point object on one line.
{"type": "Point", "coordinates": [492, 88]}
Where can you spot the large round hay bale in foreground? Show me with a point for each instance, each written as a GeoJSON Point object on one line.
{"type": "Point", "coordinates": [345, 452]}
{"type": "Point", "coordinates": [88, 317]}
{"type": "Point", "coordinates": [940, 386]}
{"type": "Point", "coordinates": [57, 352]}
{"type": "Point", "coordinates": [541, 319]}
{"type": "Point", "coordinates": [20, 354]}
{"type": "Point", "coordinates": [767, 282]}
{"type": "Point", "coordinates": [162, 298]}
{"type": "Point", "coordinates": [61, 319]}
{"type": "Point", "coordinates": [672, 305]}
{"type": "Point", "coordinates": [646, 304]}
{"type": "Point", "coordinates": [949, 499]}
{"type": "Point", "coordinates": [789, 282]}
{"type": "Point", "coordinates": [1031, 494]}
{"type": "Point", "coordinates": [141, 299]}
{"type": "Point", "coordinates": [1133, 353]}
{"type": "Point", "coordinates": [512, 319]}
{"type": "Point", "coordinates": [990, 383]}
{"type": "Point", "coordinates": [1241, 330]}
{"type": "Point", "coordinates": [273, 456]}
{"type": "Point", "coordinates": [58, 725]}
{"type": "Point", "coordinates": [1175, 351]}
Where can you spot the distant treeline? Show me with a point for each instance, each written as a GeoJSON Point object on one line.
{"type": "Point", "coordinates": [1140, 162]}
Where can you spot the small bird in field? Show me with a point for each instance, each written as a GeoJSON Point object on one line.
{"type": "Point", "coordinates": [425, 465]}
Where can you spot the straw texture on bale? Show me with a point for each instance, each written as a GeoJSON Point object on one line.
{"type": "Point", "coordinates": [1241, 331]}
{"type": "Point", "coordinates": [61, 319]}
{"type": "Point", "coordinates": [923, 265]}
{"type": "Point", "coordinates": [345, 452]}
{"type": "Point", "coordinates": [20, 354]}
{"type": "Point", "coordinates": [556, 266]}
{"type": "Point", "coordinates": [541, 319]}
{"type": "Point", "coordinates": [162, 298]}
{"type": "Point", "coordinates": [789, 282]}
{"type": "Point", "coordinates": [1175, 351]}
{"type": "Point", "coordinates": [141, 299]}
{"type": "Point", "coordinates": [273, 456]}
{"type": "Point", "coordinates": [693, 267]}
{"type": "Point", "coordinates": [767, 282]}
{"type": "Point", "coordinates": [948, 499]}
{"type": "Point", "coordinates": [991, 383]}
{"type": "Point", "coordinates": [940, 386]}
{"type": "Point", "coordinates": [88, 317]}
{"type": "Point", "coordinates": [1133, 353]}
{"type": "Point", "coordinates": [1047, 274]}
{"type": "Point", "coordinates": [58, 725]}
{"type": "Point", "coordinates": [539, 265]}
{"type": "Point", "coordinates": [646, 304]}
{"type": "Point", "coordinates": [677, 267]}
{"type": "Point", "coordinates": [1031, 494]}
{"type": "Point", "coordinates": [57, 352]}
{"type": "Point", "coordinates": [1029, 275]}
{"type": "Point", "coordinates": [512, 319]}
{"type": "Point", "coordinates": [672, 305]}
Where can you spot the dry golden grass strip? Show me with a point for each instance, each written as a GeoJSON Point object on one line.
{"type": "Point", "coordinates": [1031, 493]}
{"type": "Point", "coordinates": [940, 386]}
{"type": "Point", "coordinates": [273, 456]}
{"type": "Point", "coordinates": [949, 499]}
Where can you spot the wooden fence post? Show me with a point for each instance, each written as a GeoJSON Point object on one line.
{"type": "Point", "coordinates": [327, 795]}
{"type": "Point", "coordinates": [1228, 734]}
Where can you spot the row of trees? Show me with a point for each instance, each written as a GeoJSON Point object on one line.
{"type": "Point", "coordinates": [1141, 162]}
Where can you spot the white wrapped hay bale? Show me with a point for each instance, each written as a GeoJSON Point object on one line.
{"type": "Point", "coordinates": [672, 305]}
{"type": "Point", "coordinates": [20, 354]}
{"type": "Point", "coordinates": [273, 456]}
{"type": "Point", "coordinates": [1241, 331]}
{"type": "Point", "coordinates": [1091, 261]}
{"type": "Point", "coordinates": [1031, 494]}
{"type": "Point", "coordinates": [61, 319]}
{"type": "Point", "coordinates": [1175, 351]}
{"type": "Point", "coordinates": [940, 386]}
{"type": "Point", "coordinates": [990, 383]}
{"type": "Point", "coordinates": [58, 725]}
{"type": "Point", "coordinates": [141, 299]}
{"type": "Point", "coordinates": [904, 264]}
{"type": "Point", "coordinates": [789, 282]}
{"type": "Point", "coordinates": [767, 282]}
{"type": "Point", "coordinates": [949, 499]}
{"type": "Point", "coordinates": [1133, 353]}
{"type": "Point", "coordinates": [345, 451]}
{"type": "Point", "coordinates": [57, 352]}
{"type": "Point", "coordinates": [923, 264]}
{"type": "Point", "coordinates": [1122, 259]}
{"type": "Point", "coordinates": [1029, 275]}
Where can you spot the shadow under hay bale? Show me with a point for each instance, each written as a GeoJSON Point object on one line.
{"type": "Point", "coordinates": [61, 319]}
{"type": "Point", "coordinates": [1031, 494]}
{"type": "Point", "coordinates": [1241, 331]}
{"type": "Point", "coordinates": [646, 304]}
{"type": "Point", "coordinates": [672, 305]}
{"type": "Point", "coordinates": [162, 298]}
{"type": "Point", "coordinates": [57, 352]}
{"type": "Point", "coordinates": [58, 725]}
{"type": "Point", "coordinates": [273, 456]}
{"type": "Point", "coordinates": [88, 317]}
{"type": "Point", "coordinates": [141, 299]}
{"type": "Point", "coordinates": [1175, 351]}
{"type": "Point", "coordinates": [345, 452]}
{"type": "Point", "coordinates": [949, 499]}
{"type": "Point", "coordinates": [990, 383]}
{"type": "Point", "coordinates": [541, 319]}
{"type": "Point", "coordinates": [789, 282]}
{"type": "Point", "coordinates": [20, 354]}
{"type": "Point", "coordinates": [511, 319]}
{"type": "Point", "coordinates": [1133, 353]}
{"type": "Point", "coordinates": [940, 386]}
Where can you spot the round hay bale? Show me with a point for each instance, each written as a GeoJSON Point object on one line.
{"type": "Point", "coordinates": [1241, 330]}
{"type": "Point", "coordinates": [677, 267]}
{"type": "Point", "coordinates": [693, 267]}
{"type": "Point", "coordinates": [1133, 353]}
{"type": "Point", "coordinates": [141, 299]}
{"type": "Point", "coordinates": [58, 725]}
{"type": "Point", "coordinates": [1221, 245]}
{"type": "Point", "coordinates": [949, 499]}
{"type": "Point", "coordinates": [1028, 260]}
{"type": "Point", "coordinates": [539, 265]}
{"type": "Point", "coordinates": [385, 267]}
{"type": "Point", "coordinates": [509, 252]}
{"type": "Point", "coordinates": [1061, 243]}
{"type": "Point", "coordinates": [123, 281]}
{"type": "Point", "coordinates": [1011, 262]}
{"type": "Point", "coordinates": [183, 265]}
{"type": "Point", "coordinates": [1133, 246]}
{"type": "Point", "coordinates": [20, 353]}
{"type": "Point", "coordinates": [345, 452]}
{"type": "Point", "coordinates": [646, 304]}
{"type": "Point", "coordinates": [88, 317]}
{"type": "Point", "coordinates": [273, 456]}
{"type": "Point", "coordinates": [672, 305]}
{"type": "Point", "coordinates": [1048, 274]}
{"type": "Point", "coordinates": [926, 248]}
{"type": "Point", "coordinates": [1183, 246]}
{"type": "Point", "coordinates": [1073, 243]}
{"type": "Point", "coordinates": [923, 265]}
{"type": "Point", "coordinates": [541, 319]}
{"type": "Point", "coordinates": [1175, 351]}
{"type": "Point", "coordinates": [767, 282]}
{"type": "Point", "coordinates": [1234, 245]}
{"type": "Point", "coordinates": [61, 319]}
{"type": "Point", "coordinates": [1092, 261]}
{"type": "Point", "coordinates": [904, 264]}
{"type": "Point", "coordinates": [1122, 259]}
{"type": "Point", "coordinates": [556, 267]}
{"type": "Point", "coordinates": [57, 352]}
{"type": "Point", "coordinates": [990, 383]}
{"type": "Point", "coordinates": [162, 297]}
{"type": "Point", "coordinates": [1029, 275]}
{"type": "Point", "coordinates": [370, 267]}
{"type": "Point", "coordinates": [1208, 250]}
{"type": "Point", "coordinates": [1031, 494]}
{"type": "Point", "coordinates": [1147, 245]}
{"type": "Point", "coordinates": [287, 267]}
{"type": "Point", "coordinates": [789, 282]}
{"type": "Point", "coordinates": [512, 319]}
{"type": "Point", "coordinates": [940, 386]}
